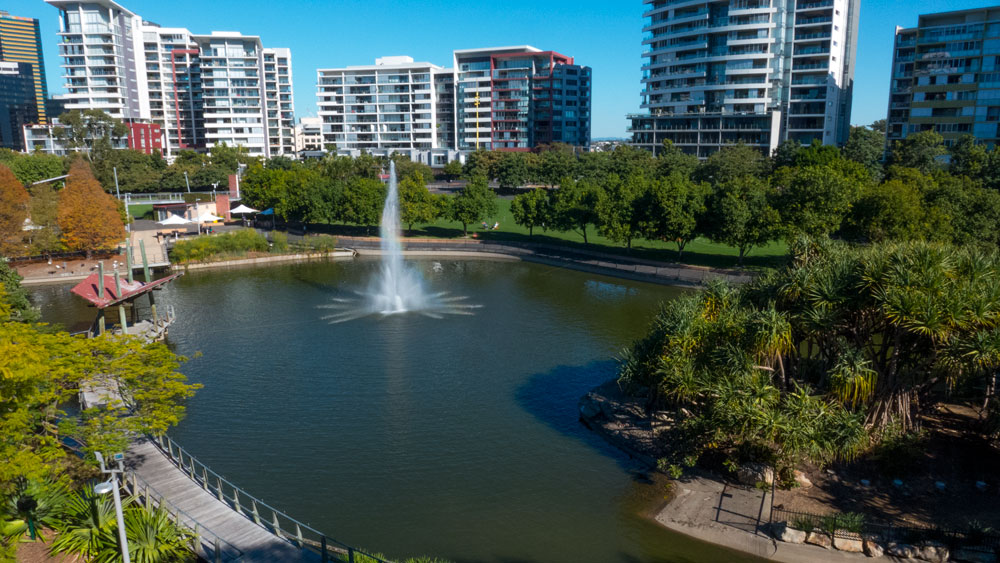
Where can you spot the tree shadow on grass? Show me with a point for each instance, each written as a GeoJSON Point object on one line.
{"type": "Point", "coordinates": [553, 398]}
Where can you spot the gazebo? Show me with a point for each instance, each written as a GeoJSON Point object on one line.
{"type": "Point", "coordinates": [104, 291]}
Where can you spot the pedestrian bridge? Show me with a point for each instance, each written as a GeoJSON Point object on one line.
{"type": "Point", "coordinates": [231, 525]}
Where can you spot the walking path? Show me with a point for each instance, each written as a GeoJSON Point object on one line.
{"type": "Point", "coordinates": [599, 262]}
{"type": "Point", "coordinates": [225, 533]}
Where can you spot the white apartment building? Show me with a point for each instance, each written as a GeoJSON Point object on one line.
{"type": "Point", "coordinates": [203, 90]}
{"type": "Point", "coordinates": [752, 71]}
{"type": "Point", "coordinates": [433, 114]}
{"type": "Point", "coordinates": [309, 135]}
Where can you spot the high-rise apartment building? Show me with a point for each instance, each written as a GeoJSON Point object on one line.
{"type": "Point", "coordinates": [203, 90]}
{"type": "Point", "coordinates": [946, 77]}
{"type": "Point", "coordinates": [508, 98]}
{"type": "Point", "coordinates": [21, 42]}
{"type": "Point", "coordinates": [746, 71]}
{"type": "Point", "coordinates": [18, 106]}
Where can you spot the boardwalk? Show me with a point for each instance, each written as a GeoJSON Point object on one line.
{"type": "Point", "coordinates": [238, 538]}
{"type": "Point", "coordinates": [156, 252]}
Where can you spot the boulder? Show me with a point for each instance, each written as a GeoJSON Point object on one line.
{"type": "Point", "coordinates": [753, 473]}
{"type": "Point", "coordinates": [788, 534]}
{"type": "Point", "coordinates": [849, 545]}
{"type": "Point", "coordinates": [873, 548]}
{"type": "Point", "coordinates": [974, 555]}
{"type": "Point", "coordinates": [903, 550]}
{"type": "Point", "coordinates": [934, 552]}
{"type": "Point", "coordinates": [802, 480]}
{"type": "Point", "coordinates": [589, 409]}
{"type": "Point", "coordinates": [820, 539]}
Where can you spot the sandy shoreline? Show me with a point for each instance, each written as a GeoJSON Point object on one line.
{"type": "Point", "coordinates": [703, 507]}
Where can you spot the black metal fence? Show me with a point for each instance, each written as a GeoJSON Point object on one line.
{"type": "Point", "coordinates": [858, 526]}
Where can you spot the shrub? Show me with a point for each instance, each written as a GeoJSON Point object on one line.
{"type": "Point", "coordinates": [279, 242]}
{"type": "Point", "coordinates": [216, 247]}
{"type": "Point", "coordinates": [321, 243]}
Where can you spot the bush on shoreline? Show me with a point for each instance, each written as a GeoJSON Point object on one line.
{"type": "Point", "coordinates": [218, 247]}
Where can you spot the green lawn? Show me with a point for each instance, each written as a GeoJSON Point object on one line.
{"type": "Point", "coordinates": [141, 211]}
{"type": "Point", "coordinates": [701, 252]}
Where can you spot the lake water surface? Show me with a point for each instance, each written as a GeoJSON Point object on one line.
{"type": "Point", "coordinates": [454, 437]}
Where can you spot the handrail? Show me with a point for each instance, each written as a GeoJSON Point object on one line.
{"type": "Point", "coordinates": [280, 524]}
{"type": "Point", "coordinates": [213, 549]}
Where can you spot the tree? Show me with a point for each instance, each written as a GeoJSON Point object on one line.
{"type": "Point", "coordinates": [14, 298]}
{"type": "Point", "coordinates": [573, 207]}
{"type": "Point", "coordinates": [481, 163]}
{"type": "Point", "coordinates": [512, 171]}
{"type": "Point", "coordinates": [416, 203]}
{"type": "Point", "coordinates": [209, 176]}
{"type": "Point", "coordinates": [626, 161]}
{"type": "Point", "coordinates": [31, 168]}
{"type": "Point", "coordinates": [135, 170]}
{"type": "Point", "coordinates": [362, 201]}
{"type": "Point", "coordinates": [732, 162]}
{"type": "Point", "coordinates": [474, 203]}
{"type": "Point", "coordinates": [44, 208]}
{"type": "Point", "coordinates": [968, 158]}
{"type": "Point", "coordinates": [786, 153]}
{"type": "Point", "coordinates": [813, 200]}
{"type": "Point", "coordinates": [893, 210]}
{"type": "Point", "coordinates": [79, 130]}
{"type": "Point", "coordinates": [530, 209]}
{"type": "Point", "coordinates": [619, 209]}
{"type": "Point", "coordinates": [229, 158]}
{"type": "Point", "coordinates": [555, 164]}
{"type": "Point", "coordinates": [866, 147]}
{"type": "Point", "coordinates": [452, 170]}
{"type": "Point", "coordinates": [673, 161]}
{"type": "Point", "coordinates": [918, 150]}
{"type": "Point", "coordinates": [88, 217]}
{"type": "Point", "coordinates": [740, 215]}
{"type": "Point", "coordinates": [13, 211]}
{"type": "Point", "coordinates": [673, 210]}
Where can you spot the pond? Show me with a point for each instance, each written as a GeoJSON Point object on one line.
{"type": "Point", "coordinates": [454, 437]}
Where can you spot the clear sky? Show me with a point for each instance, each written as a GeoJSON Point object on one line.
{"type": "Point", "coordinates": [605, 35]}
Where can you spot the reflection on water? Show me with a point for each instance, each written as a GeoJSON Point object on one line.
{"type": "Point", "coordinates": [457, 438]}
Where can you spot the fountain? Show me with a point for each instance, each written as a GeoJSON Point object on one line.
{"type": "Point", "coordinates": [399, 288]}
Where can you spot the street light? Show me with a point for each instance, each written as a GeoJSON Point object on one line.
{"type": "Point", "coordinates": [111, 486]}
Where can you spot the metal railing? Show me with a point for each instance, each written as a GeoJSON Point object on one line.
{"type": "Point", "coordinates": [259, 512]}
{"type": "Point", "coordinates": [213, 547]}
{"type": "Point", "coordinates": [889, 530]}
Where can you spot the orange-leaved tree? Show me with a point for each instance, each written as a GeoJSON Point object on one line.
{"type": "Point", "coordinates": [88, 216]}
{"type": "Point", "coordinates": [13, 211]}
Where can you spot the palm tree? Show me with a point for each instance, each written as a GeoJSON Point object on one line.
{"type": "Point", "coordinates": [154, 538]}
{"type": "Point", "coordinates": [36, 504]}
{"type": "Point", "coordinates": [89, 526]}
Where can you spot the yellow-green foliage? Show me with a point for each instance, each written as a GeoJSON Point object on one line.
{"type": "Point", "coordinates": [218, 247]}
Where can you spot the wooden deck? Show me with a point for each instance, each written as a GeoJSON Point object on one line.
{"type": "Point", "coordinates": [238, 537]}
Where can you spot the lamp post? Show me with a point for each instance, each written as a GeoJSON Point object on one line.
{"type": "Point", "coordinates": [111, 486]}
{"type": "Point", "coordinates": [186, 181]}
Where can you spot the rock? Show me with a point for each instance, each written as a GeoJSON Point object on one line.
{"type": "Point", "coordinates": [934, 552]}
{"type": "Point", "coordinates": [753, 473]}
{"type": "Point", "coordinates": [873, 549]}
{"type": "Point", "coordinates": [820, 539]}
{"type": "Point", "coordinates": [974, 555]}
{"type": "Point", "coordinates": [802, 480]}
{"type": "Point", "coordinates": [902, 550]}
{"type": "Point", "coordinates": [589, 409]}
{"type": "Point", "coordinates": [788, 534]}
{"type": "Point", "coordinates": [852, 546]}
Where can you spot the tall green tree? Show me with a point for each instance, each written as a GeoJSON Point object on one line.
{"type": "Point", "coordinates": [866, 146]}
{"type": "Point", "coordinates": [44, 208]}
{"type": "Point", "coordinates": [813, 200]}
{"type": "Point", "coordinates": [530, 209]}
{"type": "Point", "coordinates": [555, 164]}
{"type": "Point", "coordinates": [673, 210]}
{"type": "Point", "coordinates": [919, 150]}
{"type": "Point", "coordinates": [512, 171]}
{"type": "Point", "coordinates": [740, 215]}
{"type": "Point", "coordinates": [79, 130]}
{"type": "Point", "coordinates": [673, 161]}
{"type": "Point", "coordinates": [474, 203]}
{"type": "Point", "coordinates": [968, 158]}
{"type": "Point", "coordinates": [731, 163]}
{"type": "Point", "coordinates": [620, 208]}
{"type": "Point", "coordinates": [573, 207]}
{"type": "Point", "coordinates": [361, 202]}
{"type": "Point", "coordinates": [416, 203]}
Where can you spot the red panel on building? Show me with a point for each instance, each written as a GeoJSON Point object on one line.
{"type": "Point", "coordinates": [145, 137]}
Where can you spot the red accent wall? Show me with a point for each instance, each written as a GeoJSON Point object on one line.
{"type": "Point", "coordinates": [145, 137]}
{"type": "Point", "coordinates": [222, 206]}
{"type": "Point", "coordinates": [233, 185]}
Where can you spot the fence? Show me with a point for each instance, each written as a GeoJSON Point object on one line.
{"type": "Point", "coordinates": [261, 513]}
{"type": "Point", "coordinates": [858, 526]}
{"type": "Point", "coordinates": [215, 548]}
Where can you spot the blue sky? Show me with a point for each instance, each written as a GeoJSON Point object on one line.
{"type": "Point", "coordinates": [605, 35]}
